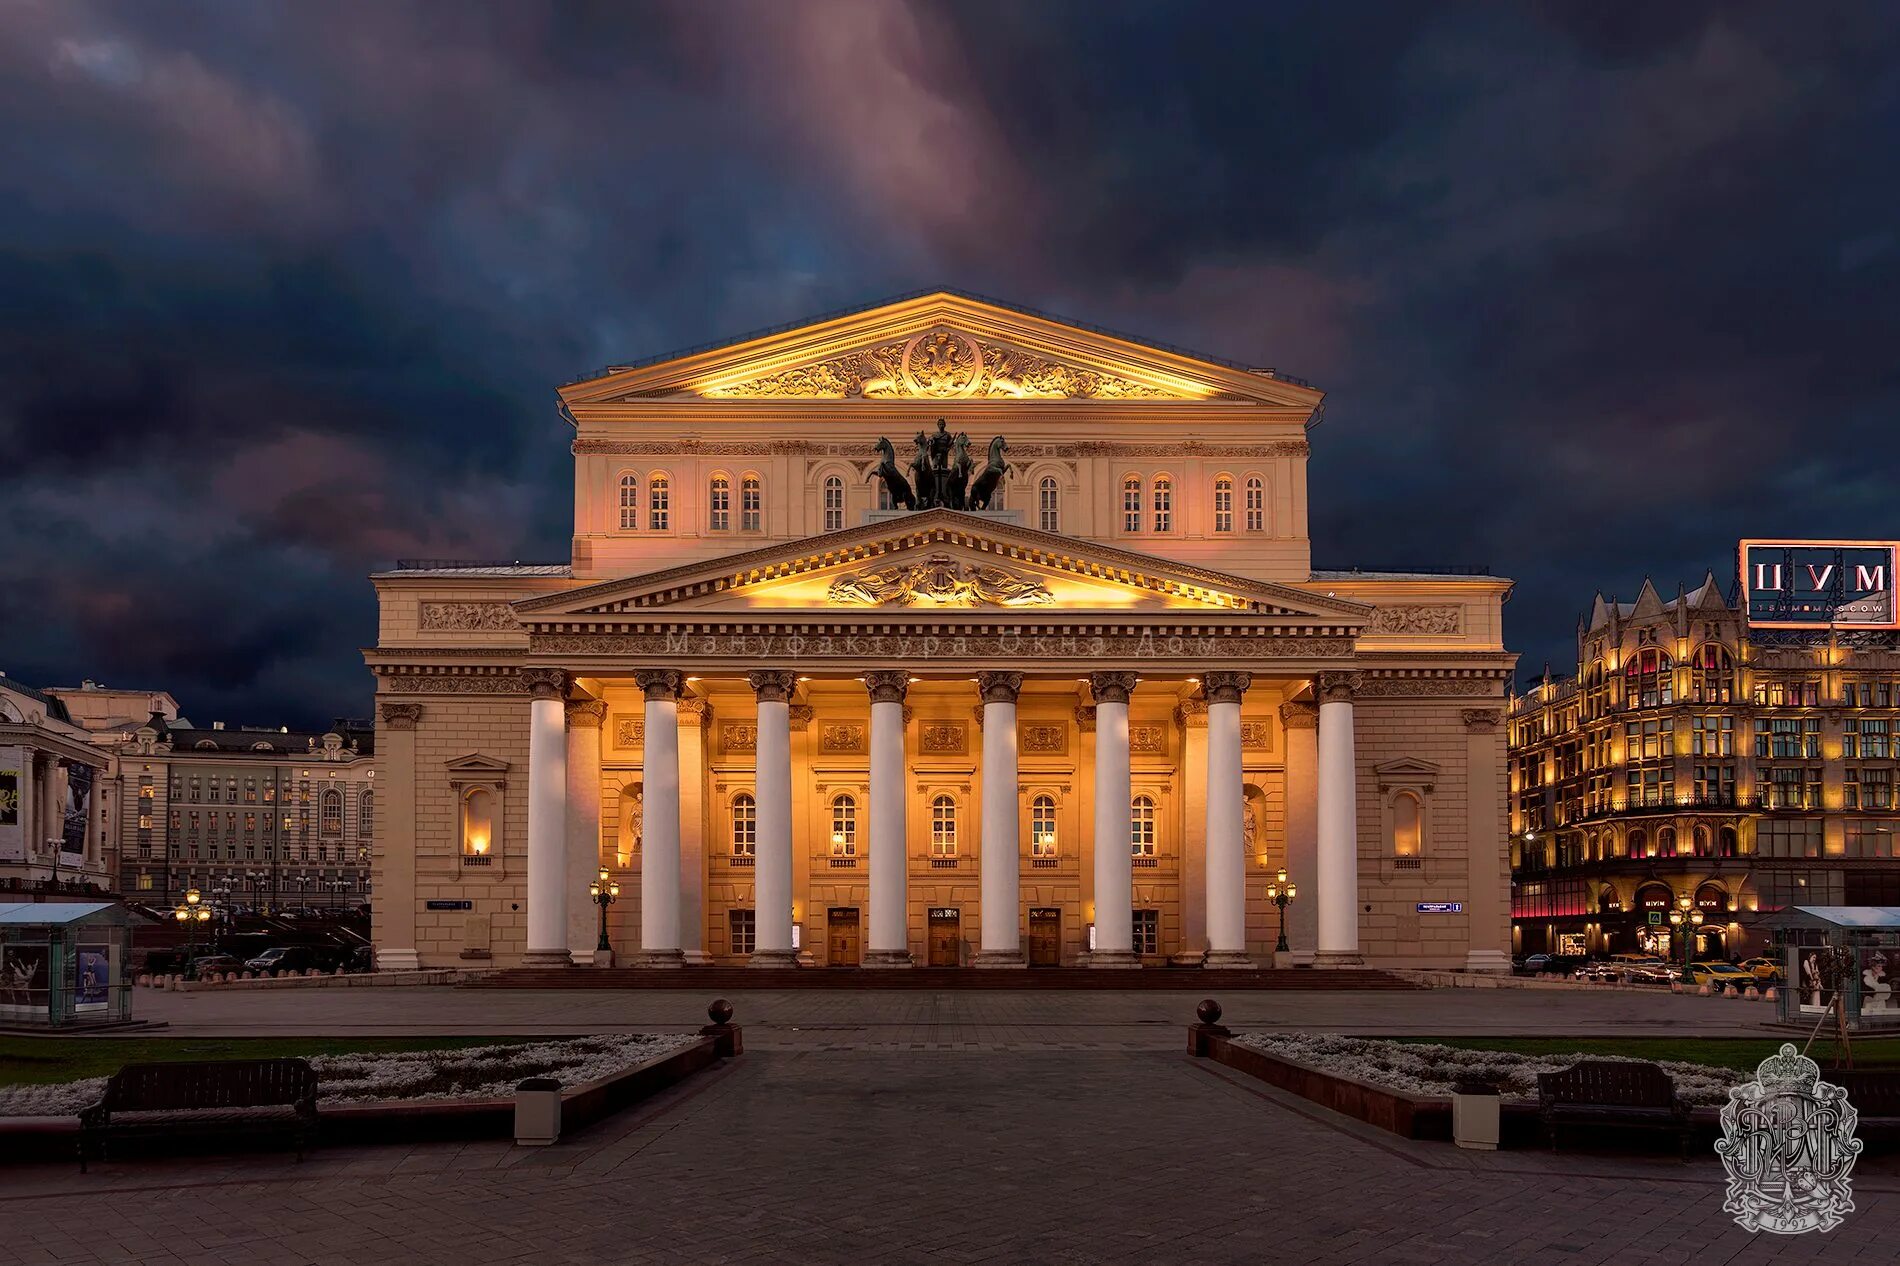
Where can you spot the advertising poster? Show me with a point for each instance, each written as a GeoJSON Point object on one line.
{"type": "Point", "coordinates": [93, 978]}
{"type": "Point", "coordinates": [23, 980]}
{"type": "Point", "coordinates": [1815, 995]}
{"type": "Point", "coordinates": [12, 807]}
{"type": "Point", "coordinates": [72, 839]}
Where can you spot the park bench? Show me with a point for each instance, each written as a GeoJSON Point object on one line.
{"type": "Point", "coordinates": [1874, 1094]}
{"type": "Point", "coordinates": [1614, 1094]}
{"type": "Point", "coordinates": [218, 1097]}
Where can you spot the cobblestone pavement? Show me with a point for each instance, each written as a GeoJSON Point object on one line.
{"type": "Point", "coordinates": [835, 1156]}
{"type": "Point", "coordinates": [964, 1019]}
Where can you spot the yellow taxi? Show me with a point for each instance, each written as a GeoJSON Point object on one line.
{"type": "Point", "coordinates": [1766, 969]}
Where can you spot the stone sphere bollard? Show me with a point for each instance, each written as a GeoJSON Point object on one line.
{"type": "Point", "coordinates": [727, 1041]}
{"type": "Point", "coordinates": [719, 1011]}
{"type": "Point", "coordinates": [1208, 1011]}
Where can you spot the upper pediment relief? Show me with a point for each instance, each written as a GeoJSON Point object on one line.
{"type": "Point", "coordinates": [941, 347]}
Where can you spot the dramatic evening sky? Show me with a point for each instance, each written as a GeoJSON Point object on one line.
{"type": "Point", "coordinates": [1595, 289]}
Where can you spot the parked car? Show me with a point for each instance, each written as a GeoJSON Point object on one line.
{"type": "Point", "coordinates": [208, 964]}
{"type": "Point", "coordinates": [1719, 975]}
{"type": "Point", "coordinates": [293, 958]}
{"type": "Point", "coordinates": [1765, 969]}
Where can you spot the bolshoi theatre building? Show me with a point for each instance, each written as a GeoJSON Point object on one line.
{"type": "Point", "coordinates": [940, 632]}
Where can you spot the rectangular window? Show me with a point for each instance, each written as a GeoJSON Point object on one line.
{"type": "Point", "coordinates": [1164, 506]}
{"type": "Point", "coordinates": [1131, 505]}
{"type": "Point", "coordinates": [750, 503]}
{"type": "Point", "coordinates": [1712, 736]}
{"type": "Point", "coordinates": [1715, 784]}
{"type": "Point", "coordinates": [1869, 837]}
{"type": "Point", "coordinates": [659, 504]}
{"type": "Point", "coordinates": [721, 506]}
{"type": "Point", "coordinates": [1147, 930]}
{"type": "Point", "coordinates": [1223, 506]}
{"type": "Point", "coordinates": [250, 791]}
{"type": "Point", "coordinates": [1788, 837]}
{"type": "Point", "coordinates": [744, 928]}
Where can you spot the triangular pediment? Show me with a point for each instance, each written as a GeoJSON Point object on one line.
{"type": "Point", "coordinates": [475, 763]}
{"type": "Point", "coordinates": [942, 561]}
{"type": "Point", "coordinates": [941, 346]}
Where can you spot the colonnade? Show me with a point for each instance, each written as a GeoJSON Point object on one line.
{"type": "Point", "coordinates": [1333, 870]}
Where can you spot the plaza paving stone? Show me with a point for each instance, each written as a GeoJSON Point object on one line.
{"type": "Point", "coordinates": [888, 1127]}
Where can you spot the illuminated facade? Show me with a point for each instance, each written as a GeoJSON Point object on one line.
{"type": "Point", "coordinates": [1085, 723]}
{"type": "Point", "coordinates": [1691, 758]}
{"type": "Point", "coordinates": [56, 796]}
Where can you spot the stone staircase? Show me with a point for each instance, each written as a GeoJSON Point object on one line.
{"type": "Point", "coordinates": [938, 978]}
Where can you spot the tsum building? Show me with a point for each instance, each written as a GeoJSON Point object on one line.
{"type": "Point", "coordinates": [1693, 757]}
{"type": "Point", "coordinates": [939, 632]}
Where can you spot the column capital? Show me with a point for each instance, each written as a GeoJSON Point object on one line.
{"type": "Point", "coordinates": [887, 686]}
{"type": "Point", "coordinates": [1478, 719]}
{"type": "Point", "coordinates": [1192, 714]}
{"type": "Point", "coordinates": [544, 683]}
{"type": "Point", "coordinates": [772, 685]}
{"type": "Point", "coordinates": [1085, 718]}
{"type": "Point", "coordinates": [1299, 716]}
{"type": "Point", "coordinates": [586, 714]}
{"type": "Point", "coordinates": [1112, 687]}
{"type": "Point", "coordinates": [1337, 687]}
{"type": "Point", "coordinates": [401, 716]}
{"type": "Point", "coordinates": [660, 683]}
{"type": "Point", "coordinates": [999, 687]}
{"type": "Point", "coordinates": [694, 711]}
{"type": "Point", "coordinates": [1222, 686]}
{"type": "Point", "coordinates": [801, 714]}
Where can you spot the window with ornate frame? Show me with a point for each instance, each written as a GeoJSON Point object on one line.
{"type": "Point", "coordinates": [366, 815]}
{"type": "Point", "coordinates": [1649, 679]}
{"type": "Point", "coordinates": [1256, 504]}
{"type": "Point", "coordinates": [844, 825]}
{"type": "Point", "coordinates": [1224, 504]}
{"type": "Point", "coordinates": [719, 505]}
{"type": "Point", "coordinates": [1131, 504]}
{"type": "Point", "coordinates": [1141, 826]}
{"type": "Point", "coordinates": [1164, 503]}
{"type": "Point", "coordinates": [629, 502]}
{"type": "Point", "coordinates": [1713, 672]}
{"type": "Point", "coordinates": [1048, 504]}
{"type": "Point", "coordinates": [751, 504]}
{"type": "Point", "coordinates": [478, 822]}
{"type": "Point", "coordinates": [659, 503]}
{"type": "Point", "coordinates": [745, 825]}
{"type": "Point", "coordinates": [330, 813]}
{"type": "Point", "coordinates": [943, 826]}
{"type": "Point", "coordinates": [834, 503]}
{"type": "Point", "coordinates": [1042, 826]}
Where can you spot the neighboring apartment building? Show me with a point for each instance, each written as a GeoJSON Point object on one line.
{"type": "Point", "coordinates": [253, 817]}
{"type": "Point", "coordinates": [56, 797]}
{"type": "Point", "coordinates": [1691, 757]}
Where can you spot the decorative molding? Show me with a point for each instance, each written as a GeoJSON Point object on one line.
{"type": "Point", "coordinates": [800, 645]}
{"type": "Point", "coordinates": [544, 683]}
{"type": "Point", "coordinates": [1085, 718]}
{"type": "Point", "coordinates": [999, 687]}
{"type": "Point", "coordinates": [1337, 687]}
{"type": "Point", "coordinates": [659, 683]}
{"type": "Point", "coordinates": [1397, 687]}
{"type": "Point", "coordinates": [1299, 716]}
{"type": "Point", "coordinates": [1147, 740]}
{"type": "Point", "coordinates": [1258, 735]}
{"type": "Point", "coordinates": [1043, 738]}
{"type": "Point", "coordinates": [1111, 687]}
{"type": "Point", "coordinates": [629, 731]}
{"type": "Point", "coordinates": [1480, 719]}
{"type": "Point", "coordinates": [586, 714]}
{"type": "Point", "coordinates": [1425, 621]}
{"type": "Point", "coordinates": [855, 452]}
{"type": "Point", "coordinates": [499, 682]}
{"type": "Point", "coordinates": [433, 617]}
{"type": "Point", "coordinates": [887, 686]}
{"type": "Point", "coordinates": [841, 738]}
{"type": "Point", "coordinates": [940, 580]}
{"type": "Point", "coordinates": [943, 738]}
{"type": "Point", "coordinates": [401, 716]}
{"type": "Point", "coordinates": [693, 711]}
{"type": "Point", "coordinates": [738, 736]}
{"type": "Point", "coordinates": [1191, 714]}
{"type": "Point", "coordinates": [801, 715]}
{"type": "Point", "coordinates": [1224, 686]}
{"type": "Point", "coordinates": [772, 685]}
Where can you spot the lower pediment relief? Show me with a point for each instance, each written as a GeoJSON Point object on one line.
{"type": "Point", "coordinates": [923, 649]}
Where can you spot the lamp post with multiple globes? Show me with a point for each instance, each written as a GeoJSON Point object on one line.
{"type": "Point", "coordinates": [605, 890]}
{"type": "Point", "coordinates": [1684, 920]}
{"type": "Point", "coordinates": [192, 914]}
{"type": "Point", "coordinates": [1279, 892]}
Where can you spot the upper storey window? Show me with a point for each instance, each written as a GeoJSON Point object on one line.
{"type": "Point", "coordinates": [1131, 504]}
{"type": "Point", "coordinates": [719, 501]}
{"type": "Point", "coordinates": [1048, 505]}
{"type": "Point", "coordinates": [1256, 504]}
{"type": "Point", "coordinates": [1223, 504]}
{"type": "Point", "coordinates": [629, 502]}
{"type": "Point", "coordinates": [1164, 504]}
{"type": "Point", "coordinates": [1714, 674]}
{"type": "Point", "coordinates": [751, 504]}
{"type": "Point", "coordinates": [1649, 679]}
{"type": "Point", "coordinates": [659, 503]}
{"type": "Point", "coordinates": [834, 503]}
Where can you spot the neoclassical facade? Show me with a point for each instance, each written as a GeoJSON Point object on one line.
{"type": "Point", "coordinates": [1053, 683]}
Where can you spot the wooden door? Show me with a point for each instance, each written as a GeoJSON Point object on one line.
{"type": "Point", "coordinates": [945, 938]}
{"type": "Point", "coordinates": [841, 926]}
{"type": "Point", "coordinates": [1045, 938]}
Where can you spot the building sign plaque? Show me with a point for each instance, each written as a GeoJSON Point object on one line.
{"type": "Point", "coordinates": [1819, 584]}
{"type": "Point", "coordinates": [1441, 907]}
{"type": "Point", "coordinates": [449, 905]}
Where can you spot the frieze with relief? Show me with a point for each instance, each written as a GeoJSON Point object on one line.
{"type": "Point", "coordinates": [1428, 687]}
{"type": "Point", "coordinates": [1256, 735]}
{"type": "Point", "coordinates": [842, 738]}
{"type": "Point", "coordinates": [939, 580]}
{"type": "Point", "coordinates": [1425, 621]}
{"type": "Point", "coordinates": [943, 738]}
{"type": "Point", "coordinates": [629, 731]}
{"type": "Point", "coordinates": [1147, 740]}
{"type": "Point", "coordinates": [1047, 740]}
{"type": "Point", "coordinates": [738, 736]}
{"type": "Point", "coordinates": [908, 646]}
{"type": "Point", "coordinates": [468, 617]}
{"type": "Point", "coordinates": [452, 684]}
{"type": "Point", "coordinates": [940, 364]}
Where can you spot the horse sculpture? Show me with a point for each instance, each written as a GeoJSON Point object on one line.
{"type": "Point", "coordinates": [960, 465]}
{"type": "Point", "coordinates": [886, 469]}
{"type": "Point", "coordinates": [983, 491]}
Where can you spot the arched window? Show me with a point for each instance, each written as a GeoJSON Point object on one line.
{"type": "Point", "coordinates": [1042, 826]}
{"type": "Point", "coordinates": [330, 812]}
{"type": "Point", "coordinates": [1223, 504]}
{"type": "Point", "coordinates": [1639, 844]}
{"type": "Point", "coordinates": [1164, 504]}
{"type": "Point", "coordinates": [943, 827]}
{"type": "Point", "coordinates": [1048, 505]}
{"type": "Point", "coordinates": [1256, 504]}
{"type": "Point", "coordinates": [1141, 826]}
{"type": "Point", "coordinates": [1648, 680]}
{"type": "Point", "coordinates": [751, 504]}
{"type": "Point", "coordinates": [478, 821]}
{"type": "Point", "coordinates": [1607, 902]}
{"type": "Point", "coordinates": [745, 824]}
{"type": "Point", "coordinates": [1408, 824]}
{"type": "Point", "coordinates": [1703, 846]}
{"type": "Point", "coordinates": [719, 505]}
{"type": "Point", "coordinates": [844, 826]}
{"type": "Point", "coordinates": [1666, 841]}
{"type": "Point", "coordinates": [366, 815]}
{"type": "Point", "coordinates": [834, 503]}
{"type": "Point", "coordinates": [1714, 672]}
{"type": "Point", "coordinates": [1131, 504]}
{"type": "Point", "coordinates": [884, 496]}
{"type": "Point", "coordinates": [1729, 844]}
{"type": "Point", "coordinates": [629, 502]}
{"type": "Point", "coordinates": [659, 504]}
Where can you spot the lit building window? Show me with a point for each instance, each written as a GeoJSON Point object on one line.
{"type": "Point", "coordinates": [1131, 504]}
{"type": "Point", "coordinates": [1407, 825]}
{"type": "Point", "coordinates": [834, 503]}
{"type": "Point", "coordinates": [751, 503]}
{"type": "Point", "coordinates": [844, 826]}
{"type": "Point", "coordinates": [1141, 826]}
{"type": "Point", "coordinates": [1048, 505]}
{"type": "Point", "coordinates": [1256, 504]}
{"type": "Point", "coordinates": [720, 502]}
{"type": "Point", "coordinates": [658, 503]}
{"type": "Point", "coordinates": [1042, 827]}
{"type": "Point", "coordinates": [745, 825]}
{"type": "Point", "coordinates": [1223, 504]}
{"type": "Point", "coordinates": [1164, 504]}
{"type": "Point", "coordinates": [1714, 670]}
{"type": "Point", "coordinates": [943, 827]}
{"type": "Point", "coordinates": [1649, 679]}
{"type": "Point", "coordinates": [330, 813]}
{"type": "Point", "coordinates": [478, 823]}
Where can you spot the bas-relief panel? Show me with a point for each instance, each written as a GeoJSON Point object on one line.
{"type": "Point", "coordinates": [738, 736]}
{"type": "Point", "coordinates": [1148, 740]}
{"type": "Point", "coordinates": [467, 616]}
{"type": "Point", "coordinates": [1256, 735]}
{"type": "Point", "coordinates": [629, 731]}
{"type": "Point", "coordinates": [841, 738]}
{"type": "Point", "coordinates": [1040, 739]}
{"type": "Point", "coordinates": [943, 738]}
{"type": "Point", "coordinates": [1425, 621]}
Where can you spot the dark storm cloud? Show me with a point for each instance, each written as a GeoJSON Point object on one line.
{"type": "Point", "coordinates": [284, 288]}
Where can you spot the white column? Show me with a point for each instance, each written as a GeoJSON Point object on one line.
{"type": "Point", "coordinates": [660, 821]}
{"type": "Point", "coordinates": [1002, 940]}
{"type": "Point", "coordinates": [772, 865]}
{"type": "Point", "coordinates": [1300, 721]}
{"type": "Point", "coordinates": [1114, 861]}
{"type": "Point", "coordinates": [890, 905]}
{"type": "Point", "coordinates": [1226, 839]}
{"type": "Point", "coordinates": [547, 818]}
{"type": "Point", "coordinates": [584, 720]}
{"type": "Point", "coordinates": [1338, 826]}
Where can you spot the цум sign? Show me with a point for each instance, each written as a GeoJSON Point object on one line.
{"type": "Point", "coordinates": [1819, 584]}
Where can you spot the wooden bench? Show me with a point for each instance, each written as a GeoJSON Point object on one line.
{"type": "Point", "coordinates": [217, 1097]}
{"type": "Point", "coordinates": [1615, 1094]}
{"type": "Point", "coordinates": [1874, 1094]}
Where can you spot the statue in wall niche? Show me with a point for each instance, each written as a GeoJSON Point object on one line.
{"type": "Point", "coordinates": [636, 819]}
{"type": "Point", "coordinates": [1249, 824]}
{"type": "Point", "coordinates": [940, 473]}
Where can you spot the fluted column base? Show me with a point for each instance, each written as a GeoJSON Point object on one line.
{"type": "Point", "coordinates": [658, 959]}
{"type": "Point", "coordinates": [999, 958]}
{"type": "Point", "coordinates": [547, 958]}
{"type": "Point", "coordinates": [1337, 958]}
{"type": "Point", "coordinates": [1229, 960]}
{"type": "Point", "coordinates": [1114, 959]}
{"type": "Point", "coordinates": [773, 958]}
{"type": "Point", "coordinates": [887, 958]}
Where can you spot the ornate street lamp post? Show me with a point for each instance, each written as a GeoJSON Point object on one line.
{"type": "Point", "coordinates": [1279, 892]}
{"type": "Point", "coordinates": [191, 914]}
{"type": "Point", "coordinates": [1684, 920]}
{"type": "Point", "coordinates": [605, 891]}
